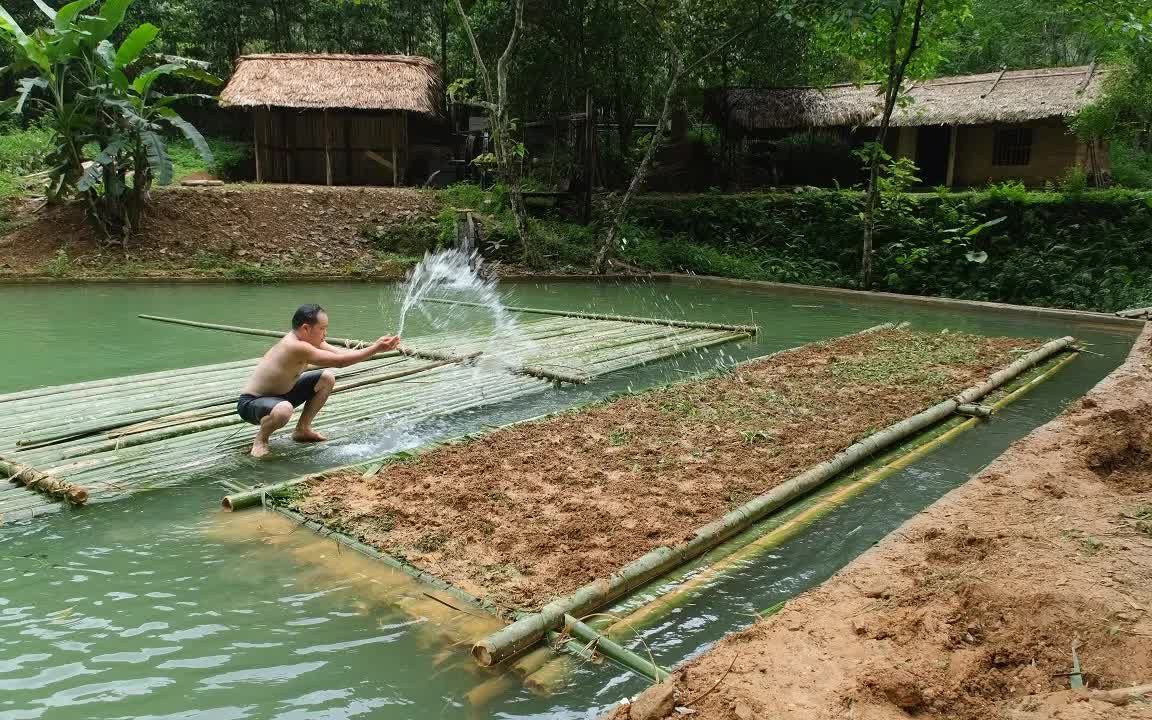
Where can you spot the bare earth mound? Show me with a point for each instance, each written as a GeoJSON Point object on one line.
{"type": "Point", "coordinates": [971, 609]}
{"type": "Point", "coordinates": [537, 510]}
{"type": "Point", "coordinates": [312, 230]}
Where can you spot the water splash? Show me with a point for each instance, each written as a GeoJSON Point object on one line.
{"type": "Point", "coordinates": [454, 275]}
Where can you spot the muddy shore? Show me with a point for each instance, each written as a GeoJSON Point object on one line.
{"type": "Point", "coordinates": [537, 510]}
{"type": "Point", "coordinates": [971, 609]}
{"type": "Point", "coordinates": [248, 232]}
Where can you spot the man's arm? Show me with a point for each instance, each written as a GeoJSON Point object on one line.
{"type": "Point", "coordinates": [328, 356]}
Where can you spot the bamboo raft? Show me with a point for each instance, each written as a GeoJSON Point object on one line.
{"type": "Point", "coordinates": [105, 439]}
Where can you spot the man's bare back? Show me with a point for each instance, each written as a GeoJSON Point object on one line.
{"type": "Point", "coordinates": [280, 382]}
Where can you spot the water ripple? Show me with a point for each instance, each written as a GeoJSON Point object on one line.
{"type": "Point", "coordinates": [281, 673]}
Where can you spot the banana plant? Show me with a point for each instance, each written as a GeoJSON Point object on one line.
{"type": "Point", "coordinates": [98, 95]}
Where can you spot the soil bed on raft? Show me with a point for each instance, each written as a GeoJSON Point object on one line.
{"type": "Point", "coordinates": [971, 610]}
{"type": "Point", "coordinates": [539, 509]}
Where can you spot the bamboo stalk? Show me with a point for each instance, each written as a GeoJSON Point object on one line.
{"type": "Point", "coordinates": [614, 651]}
{"type": "Point", "coordinates": [526, 632]}
{"type": "Point", "coordinates": [749, 329]}
{"type": "Point", "coordinates": [34, 479]}
{"type": "Point", "coordinates": [345, 342]}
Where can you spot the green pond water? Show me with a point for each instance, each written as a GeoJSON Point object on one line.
{"type": "Point", "coordinates": [159, 606]}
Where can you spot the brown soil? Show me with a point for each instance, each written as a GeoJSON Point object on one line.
{"type": "Point", "coordinates": [285, 229]}
{"type": "Point", "coordinates": [539, 509]}
{"type": "Point", "coordinates": [971, 609]}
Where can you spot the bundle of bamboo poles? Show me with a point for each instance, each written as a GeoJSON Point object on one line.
{"type": "Point", "coordinates": [108, 438]}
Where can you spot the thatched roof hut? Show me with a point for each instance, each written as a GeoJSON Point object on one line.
{"type": "Point", "coordinates": [328, 82]}
{"type": "Point", "coordinates": [1012, 96]}
{"type": "Point", "coordinates": [342, 119]}
{"type": "Point", "coordinates": [962, 130]}
{"type": "Point", "coordinates": [1006, 97]}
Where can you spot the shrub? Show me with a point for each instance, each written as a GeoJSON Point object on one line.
{"type": "Point", "coordinates": [1131, 165]}
{"type": "Point", "coordinates": [229, 159]}
{"type": "Point", "coordinates": [23, 151]}
{"type": "Point", "coordinates": [1088, 250]}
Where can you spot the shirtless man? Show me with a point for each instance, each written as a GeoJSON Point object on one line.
{"type": "Point", "coordinates": [280, 384]}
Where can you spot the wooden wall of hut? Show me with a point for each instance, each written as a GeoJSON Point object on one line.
{"type": "Point", "coordinates": [333, 147]}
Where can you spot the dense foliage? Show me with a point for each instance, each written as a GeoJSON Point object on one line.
{"type": "Point", "coordinates": [90, 91]}
{"type": "Point", "coordinates": [609, 48]}
{"type": "Point", "coordinates": [1063, 249]}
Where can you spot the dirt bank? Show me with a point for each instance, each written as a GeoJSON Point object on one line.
{"type": "Point", "coordinates": [970, 610]}
{"type": "Point", "coordinates": [537, 510]}
{"type": "Point", "coordinates": [245, 232]}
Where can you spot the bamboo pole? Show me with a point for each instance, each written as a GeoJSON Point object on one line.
{"type": "Point", "coordinates": [345, 342]}
{"type": "Point", "coordinates": [614, 651]}
{"type": "Point", "coordinates": [34, 479]}
{"type": "Point", "coordinates": [749, 329]}
{"type": "Point", "coordinates": [251, 498]}
{"type": "Point", "coordinates": [526, 632]}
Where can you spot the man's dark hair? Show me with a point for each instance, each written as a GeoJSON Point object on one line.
{"type": "Point", "coordinates": [306, 315]}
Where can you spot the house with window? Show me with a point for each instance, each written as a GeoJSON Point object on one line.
{"type": "Point", "coordinates": [961, 131]}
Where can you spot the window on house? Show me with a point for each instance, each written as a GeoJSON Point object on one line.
{"type": "Point", "coordinates": [1012, 146]}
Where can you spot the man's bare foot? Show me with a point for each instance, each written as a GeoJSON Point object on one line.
{"type": "Point", "coordinates": [308, 436]}
{"type": "Point", "coordinates": [259, 449]}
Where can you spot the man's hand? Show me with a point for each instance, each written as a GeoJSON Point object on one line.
{"type": "Point", "coordinates": [386, 343]}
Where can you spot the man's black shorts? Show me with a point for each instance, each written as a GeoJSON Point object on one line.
{"type": "Point", "coordinates": [254, 407]}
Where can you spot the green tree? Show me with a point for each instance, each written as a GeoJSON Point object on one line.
{"type": "Point", "coordinates": [92, 92]}
{"type": "Point", "coordinates": [507, 153]}
{"type": "Point", "coordinates": [1059, 33]}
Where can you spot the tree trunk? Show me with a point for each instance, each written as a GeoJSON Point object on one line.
{"type": "Point", "coordinates": [507, 161]}
{"type": "Point", "coordinates": [608, 246]}
{"type": "Point", "coordinates": [897, 66]}
{"type": "Point", "coordinates": [870, 203]}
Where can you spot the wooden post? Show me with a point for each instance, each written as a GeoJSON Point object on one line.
{"type": "Point", "coordinates": [394, 133]}
{"type": "Point", "coordinates": [950, 176]}
{"type": "Point", "coordinates": [348, 149]}
{"type": "Point", "coordinates": [256, 142]}
{"type": "Point", "coordinates": [287, 146]}
{"type": "Point", "coordinates": [406, 151]}
{"type": "Point", "coordinates": [327, 150]}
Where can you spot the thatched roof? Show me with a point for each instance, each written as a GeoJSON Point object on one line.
{"type": "Point", "coordinates": [356, 82]}
{"type": "Point", "coordinates": [1012, 96]}
{"type": "Point", "coordinates": [801, 106]}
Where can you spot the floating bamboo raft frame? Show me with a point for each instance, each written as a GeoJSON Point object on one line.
{"type": "Point", "coordinates": [105, 439]}
{"type": "Point", "coordinates": [529, 628]}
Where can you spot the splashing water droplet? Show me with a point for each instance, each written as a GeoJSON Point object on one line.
{"type": "Point", "coordinates": [458, 276]}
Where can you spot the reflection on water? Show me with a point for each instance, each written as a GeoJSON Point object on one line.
{"type": "Point", "coordinates": [161, 607]}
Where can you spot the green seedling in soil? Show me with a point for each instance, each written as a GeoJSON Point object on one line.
{"type": "Point", "coordinates": [618, 438]}
{"type": "Point", "coordinates": [682, 407]}
{"type": "Point", "coordinates": [1090, 545]}
{"type": "Point", "coordinates": [752, 437]}
{"type": "Point", "coordinates": [1142, 519]}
